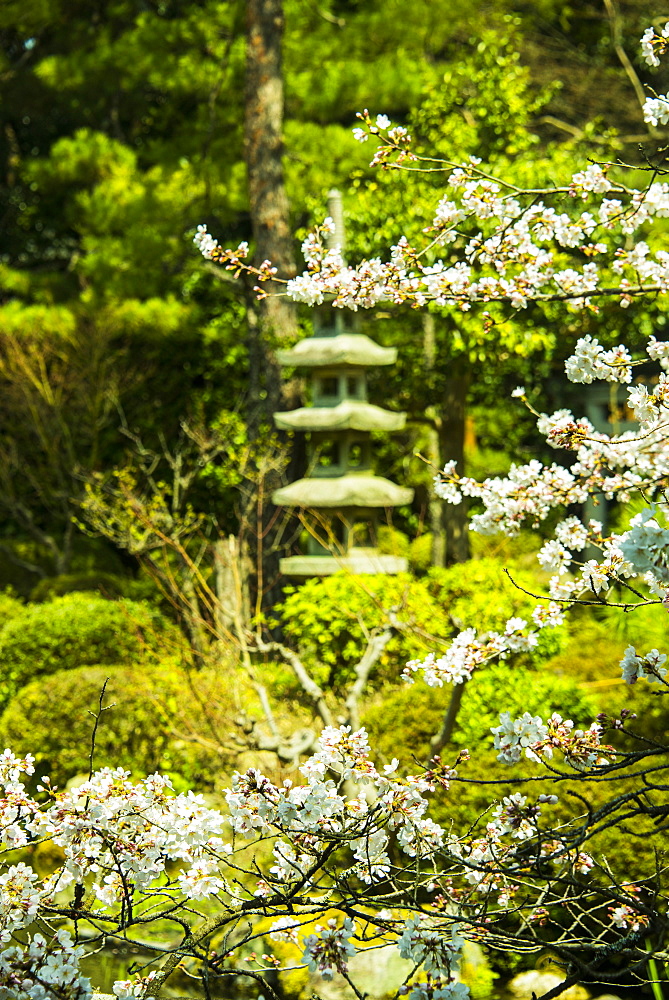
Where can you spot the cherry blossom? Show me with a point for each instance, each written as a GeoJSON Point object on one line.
{"type": "Point", "coordinates": [328, 950]}
{"type": "Point", "coordinates": [347, 855]}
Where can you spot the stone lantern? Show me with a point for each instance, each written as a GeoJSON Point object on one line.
{"type": "Point", "coordinates": [340, 491]}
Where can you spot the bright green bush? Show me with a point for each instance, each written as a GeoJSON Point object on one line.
{"type": "Point", "coordinates": [10, 605]}
{"type": "Point", "coordinates": [153, 709]}
{"type": "Point", "coordinates": [50, 718]}
{"type": "Point", "coordinates": [109, 585]}
{"type": "Point", "coordinates": [402, 723]}
{"type": "Point", "coordinates": [327, 620]}
{"type": "Point", "coordinates": [406, 718]}
{"type": "Point", "coordinates": [505, 687]}
{"type": "Point", "coordinates": [479, 594]}
{"type": "Point", "coordinates": [420, 553]}
{"type": "Point", "coordinates": [76, 630]}
{"type": "Point", "coordinates": [391, 541]}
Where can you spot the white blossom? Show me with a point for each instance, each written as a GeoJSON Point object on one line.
{"type": "Point", "coordinates": [650, 666]}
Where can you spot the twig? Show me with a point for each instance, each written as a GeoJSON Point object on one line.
{"type": "Point", "coordinates": [97, 716]}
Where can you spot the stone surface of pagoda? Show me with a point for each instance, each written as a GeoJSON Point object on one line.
{"type": "Point", "coordinates": [340, 494]}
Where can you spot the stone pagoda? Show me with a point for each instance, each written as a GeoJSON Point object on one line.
{"type": "Point", "coordinates": [340, 492]}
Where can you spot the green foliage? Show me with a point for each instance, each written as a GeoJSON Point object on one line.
{"type": "Point", "coordinates": [108, 585]}
{"type": "Point", "coordinates": [391, 541]}
{"type": "Point", "coordinates": [476, 971]}
{"type": "Point", "coordinates": [153, 709]}
{"type": "Point", "coordinates": [506, 687]}
{"type": "Point", "coordinates": [419, 709]}
{"type": "Point", "coordinates": [420, 553]}
{"type": "Point", "coordinates": [75, 630]}
{"type": "Point", "coordinates": [401, 721]}
{"type": "Point", "coordinates": [328, 620]}
{"type": "Point", "coordinates": [10, 605]}
{"type": "Point", "coordinates": [479, 594]}
{"type": "Point", "coordinates": [52, 716]}
{"type": "Point", "coordinates": [132, 133]}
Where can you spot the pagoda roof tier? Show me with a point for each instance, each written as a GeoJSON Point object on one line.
{"type": "Point", "coordinates": [344, 349]}
{"type": "Point", "coordinates": [355, 561]}
{"type": "Point", "coordinates": [350, 414]}
{"type": "Point", "coordinates": [362, 490]}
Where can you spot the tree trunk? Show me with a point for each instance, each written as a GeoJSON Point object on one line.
{"type": "Point", "coordinates": [452, 447]}
{"type": "Point", "coordinates": [272, 319]}
{"type": "Point", "coordinates": [446, 442]}
{"type": "Point", "coordinates": [434, 504]}
{"type": "Point", "coordinates": [443, 737]}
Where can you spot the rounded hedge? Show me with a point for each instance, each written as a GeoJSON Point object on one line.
{"type": "Point", "coordinates": [51, 718]}
{"type": "Point", "coordinates": [78, 629]}
{"type": "Point", "coordinates": [151, 710]}
{"type": "Point", "coordinates": [327, 619]}
{"type": "Point", "coordinates": [109, 585]}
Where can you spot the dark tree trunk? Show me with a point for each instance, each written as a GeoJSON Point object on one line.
{"type": "Point", "coordinates": [272, 319]}
{"type": "Point", "coordinates": [446, 442]}
{"type": "Point", "coordinates": [452, 447]}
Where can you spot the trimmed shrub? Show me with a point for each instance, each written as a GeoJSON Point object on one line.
{"type": "Point", "coordinates": [75, 630]}
{"type": "Point", "coordinates": [151, 711]}
{"type": "Point", "coordinates": [10, 605]}
{"type": "Point", "coordinates": [327, 619]}
{"type": "Point", "coordinates": [109, 585]}
{"type": "Point", "coordinates": [51, 718]}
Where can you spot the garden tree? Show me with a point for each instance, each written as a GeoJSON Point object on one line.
{"type": "Point", "coordinates": [347, 872]}
{"type": "Point", "coordinates": [117, 136]}
{"type": "Point", "coordinates": [77, 250]}
{"type": "Point", "coordinates": [269, 320]}
{"type": "Point", "coordinates": [199, 572]}
{"type": "Point", "coordinates": [122, 129]}
{"type": "Point", "coordinates": [268, 201]}
{"type": "Point", "coordinates": [489, 105]}
{"type": "Point", "coordinates": [60, 386]}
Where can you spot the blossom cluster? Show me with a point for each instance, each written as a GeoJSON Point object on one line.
{"type": "Point", "coordinates": [521, 252]}
{"type": "Point", "coordinates": [427, 945]}
{"type": "Point", "coordinates": [328, 950]}
{"type": "Point", "coordinates": [335, 839]}
{"type": "Point", "coordinates": [120, 835]}
{"type": "Point", "coordinates": [650, 666]}
{"type": "Point", "coordinates": [529, 736]}
{"type": "Point", "coordinates": [43, 969]}
{"type": "Point", "coordinates": [312, 812]}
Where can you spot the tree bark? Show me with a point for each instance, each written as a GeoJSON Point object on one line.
{"type": "Point", "coordinates": [446, 442]}
{"type": "Point", "coordinates": [452, 447]}
{"type": "Point", "coordinates": [443, 737]}
{"type": "Point", "coordinates": [272, 319]}
{"type": "Point", "coordinates": [435, 506]}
